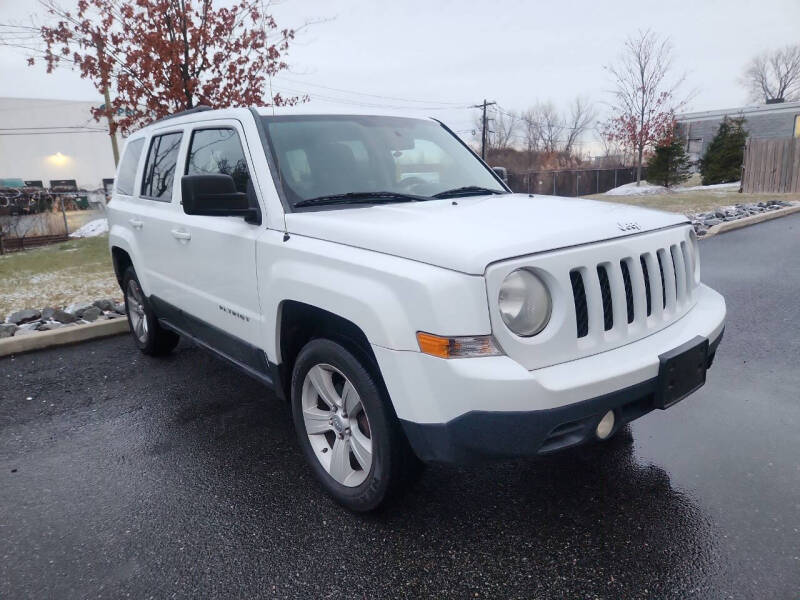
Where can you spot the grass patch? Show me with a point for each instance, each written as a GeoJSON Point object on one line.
{"type": "Point", "coordinates": [692, 202]}
{"type": "Point", "coordinates": [57, 275]}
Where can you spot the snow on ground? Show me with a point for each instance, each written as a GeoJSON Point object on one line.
{"type": "Point", "coordinates": [91, 229]}
{"type": "Point", "coordinates": [631, 189]}
{"type": "Point", "coordinates": [720, 187]}
{"type": "Point", "coordinates": [648, 189]}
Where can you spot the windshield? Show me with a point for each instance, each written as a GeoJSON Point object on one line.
{"type": "Point", "coordinates": [348, 157]}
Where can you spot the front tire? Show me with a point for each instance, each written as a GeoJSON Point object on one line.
{"type": "Point", "coordinates": [346, 427]}
{"type": "Point", "coordinates": [149, 336]}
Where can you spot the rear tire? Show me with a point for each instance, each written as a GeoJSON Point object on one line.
{"type": "Point", "coordinates": [347, 428]}
{"type": "Point", "coordinates": [149, 336]}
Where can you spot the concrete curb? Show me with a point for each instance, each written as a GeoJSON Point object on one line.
{"type": "Point", "coordinates": [739, 223]}
{"type": "Point", "coordinates": [65, 335]}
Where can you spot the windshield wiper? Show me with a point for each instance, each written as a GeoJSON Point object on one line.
{"type": "Point", "coordinates": [360, 198]}
{"type": "Point", "coordinates": [467, 190]}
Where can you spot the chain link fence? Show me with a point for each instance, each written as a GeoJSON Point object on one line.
{"type": "Point", "coordinates": [573, 182]}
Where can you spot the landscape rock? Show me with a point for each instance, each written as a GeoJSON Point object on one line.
{"type": "Point", "coordinates": [47, 313]}
{"type": "Point", "coordinates": [24, 316]}
{"type": "Point", "coordinates": [7, 329]}
{"type": "Point", "coordinates": [112, 315]}
{"type": "Point", "coordinates": [63, 316]}
{"type": "Point", "coordinates": [78, 308]}
{"type": "Point", "coordinates": [104, 304]}
{"type": "Point", "coordinates": [23, 332]}
{"type": "Point", "coordinates": [50, 325]}
{"type": "Point", "coordinates": [119, 308]}
{"type": "Point", "coordinates": [91, 314]}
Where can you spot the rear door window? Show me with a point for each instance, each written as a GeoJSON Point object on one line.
{"type": "Point", "coordinates": [159, 171]}
{"type": "Point", "coordinates": [218, 151]}
{"type": "Point", "coordinates": [126, 178]}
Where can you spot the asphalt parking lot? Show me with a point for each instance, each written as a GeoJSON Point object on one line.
{"type": "Point", "coordinates": [125, 476]}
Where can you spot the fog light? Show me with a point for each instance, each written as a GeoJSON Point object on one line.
{"type": "Point", "coordinates": [605, 426]}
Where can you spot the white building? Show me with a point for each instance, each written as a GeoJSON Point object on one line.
{"type": "Point", "coordinates": [54, 139]}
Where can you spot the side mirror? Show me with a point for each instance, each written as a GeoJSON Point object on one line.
{"type": "Point", "coordinates": [216, 196]}
{"type": "Point", "coordinates": [502, 173]}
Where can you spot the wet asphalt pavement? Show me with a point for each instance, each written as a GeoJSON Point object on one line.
{"type": "Point", "coordinates": [126, 476]}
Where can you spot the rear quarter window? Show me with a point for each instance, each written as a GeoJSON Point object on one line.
{"type": "Point", "coordinates": [126, 178]}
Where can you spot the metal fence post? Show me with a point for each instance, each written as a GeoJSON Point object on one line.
{"type": "Point", "coordinates": [554, 184]}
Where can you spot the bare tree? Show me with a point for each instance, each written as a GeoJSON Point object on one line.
{"type": "Point", "coordinates": [774, 75]}
{"type": "Point", "coordinates": [503, 129]}
{"type": "Point", "coordinates": [547, 130]}
{"type": "Point", "coordinates": [644, 104]}
{"type": "Point", "coordinates": [581, 116]}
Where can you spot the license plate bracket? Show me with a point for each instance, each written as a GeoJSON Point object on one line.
{"type": "Point", "coordinates": [682, 371]}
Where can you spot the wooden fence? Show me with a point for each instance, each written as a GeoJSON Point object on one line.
{"type": "Point", "coordinates": [772, 166]}
{"type": "Point", "coordinates": [16, 244]}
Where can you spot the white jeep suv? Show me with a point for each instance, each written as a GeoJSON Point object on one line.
{"type": "Point", "coordinates": [384, 281]}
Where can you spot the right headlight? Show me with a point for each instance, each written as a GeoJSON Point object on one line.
{"type": "Point", "coordinates": [524, 303]}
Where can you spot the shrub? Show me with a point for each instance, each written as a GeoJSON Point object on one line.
{"type": "Point", "coordinates": [669, 164]}
{"type": "Point", "coordinates": [722, 162]}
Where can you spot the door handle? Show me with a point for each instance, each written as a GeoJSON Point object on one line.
{"type": "Point", "coordinates": [136, 223]}
{"type": "Point", "coordinates": [180, 234]}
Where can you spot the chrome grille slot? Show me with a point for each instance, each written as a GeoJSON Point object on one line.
{"type": "Point", "coordinates": [626, 278]}
{"type": "Point", "coordinates": [605, 290]}
{"type": "Point", "coordinates": [579, 296]}
{"type": "Point", "coordinates": [646, 275]}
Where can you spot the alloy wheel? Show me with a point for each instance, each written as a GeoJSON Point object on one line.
{"type": "Point", "coordinates": [135, 301]}
{"type": "Point", "coordinates": [337, 425]}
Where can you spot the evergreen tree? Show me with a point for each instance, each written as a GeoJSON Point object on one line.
{"type": "Point", "coordinates": [722, 162]}
{"type": "Point", "coordinates": [669, 164]}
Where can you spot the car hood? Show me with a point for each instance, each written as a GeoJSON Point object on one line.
{"type": "Point", "coordinates": [467, 234]}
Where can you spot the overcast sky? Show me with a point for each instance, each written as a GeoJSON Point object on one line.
{"type": "Point", "coordinates": [447, 54]}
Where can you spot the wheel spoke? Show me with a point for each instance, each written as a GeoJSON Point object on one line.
{"type": "Point", "coordinates": [340, 468]}
{"type": "Point", "coordinates": [351, 401]}
{"type": "Point", "coordinates": [321, 380]}
{"type": "Point", "coordinates": [139, 328]}
{"type": "Point", "coordinates": [317, 421]}
{"type": "Point", "coordinates": [361, 446]}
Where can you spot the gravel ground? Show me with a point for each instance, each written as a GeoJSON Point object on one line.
{"type": "Point", "coordinates": [126, 476]}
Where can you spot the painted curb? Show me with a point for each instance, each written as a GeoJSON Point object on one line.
{"type": "Point", "coordinates": [70, 334]}
{"type": "Point", "coordinates": [739, 223]}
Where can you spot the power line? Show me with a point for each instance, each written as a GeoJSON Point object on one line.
{"type": "Point", "coordinates": [354, 93]}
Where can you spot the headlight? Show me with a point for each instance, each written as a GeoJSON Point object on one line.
{"type": "Point", "coordinates": [694, 255]}
{"type": "Point", "coordinates": [524, 303]}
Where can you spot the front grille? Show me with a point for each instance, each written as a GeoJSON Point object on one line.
{"type": "Point", "coordinates": [641, 291]}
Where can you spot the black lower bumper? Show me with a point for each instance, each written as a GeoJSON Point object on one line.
{"type": "Point", "coordinates": [482, 435]}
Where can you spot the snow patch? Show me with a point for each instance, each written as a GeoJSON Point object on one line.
{"type": "Point", "coordinates": [648, 189]}
{"type": "Point", "coordinates": [717, 186]}
{"type": "Point", "coordinates": [631, 189]}
{"type": "Point", "coordinates": [91, 229]}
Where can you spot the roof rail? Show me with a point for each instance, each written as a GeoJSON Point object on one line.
{"type": "Point", "coordinates": [190, 111]}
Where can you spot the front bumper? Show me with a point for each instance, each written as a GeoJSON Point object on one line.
{"type": "Point", "coordinates": [464, 410]}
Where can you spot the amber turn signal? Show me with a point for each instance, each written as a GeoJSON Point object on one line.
{"type": "Point", "coordinates": [457, 347]}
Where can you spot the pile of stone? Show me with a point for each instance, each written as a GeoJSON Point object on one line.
{"type": "Point", "coordinates": [704, 221]}
{"type": "Point", "coordinates": [31, 320]}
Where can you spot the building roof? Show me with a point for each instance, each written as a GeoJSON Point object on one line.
{"type": "Point", "coordinates": [761, 109]}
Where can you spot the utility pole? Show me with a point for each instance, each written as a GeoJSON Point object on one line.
{"type": "Point", "coordinates": [483, 106]}
{"type": "Point", "coordinates": [100, 45]}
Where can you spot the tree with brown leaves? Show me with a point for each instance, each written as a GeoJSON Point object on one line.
{"type": "Point", "coordinates": [150, 59]}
